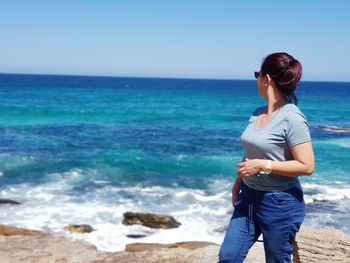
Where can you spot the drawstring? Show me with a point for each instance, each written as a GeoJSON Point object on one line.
{"type": "Point", "coordinates": [251, 212]}
{"type": "Point", "coordinates": [249, 220]}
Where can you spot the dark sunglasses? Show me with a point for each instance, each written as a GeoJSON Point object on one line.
{"type": "Point", "coordinates": [257, 74]}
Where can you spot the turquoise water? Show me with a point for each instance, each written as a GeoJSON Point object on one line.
{"type": "Point", "coordinates": [155, 145]}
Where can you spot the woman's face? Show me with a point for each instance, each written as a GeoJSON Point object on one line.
{"type": "Point", "coordinates": [261, 85]}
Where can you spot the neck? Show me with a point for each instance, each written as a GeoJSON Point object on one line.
{"type": "Point", "coordinates": [275, 99]}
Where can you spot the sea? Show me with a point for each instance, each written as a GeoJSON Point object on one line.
{"type": "Point", "coordinates": [85, 150]}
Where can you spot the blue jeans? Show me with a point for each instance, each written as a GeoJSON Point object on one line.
{"type": "Point", "coordinates": [275, 215]}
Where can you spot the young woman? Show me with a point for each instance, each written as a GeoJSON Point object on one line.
{"type": "Point", "coordinates": [267, 195]}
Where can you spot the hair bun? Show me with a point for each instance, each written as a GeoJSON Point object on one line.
{"type": "Point", "coordinates": [285, 71]}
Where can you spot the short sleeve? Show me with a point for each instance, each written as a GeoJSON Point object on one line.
{"type": "Point", "coordinates": [297, 129]}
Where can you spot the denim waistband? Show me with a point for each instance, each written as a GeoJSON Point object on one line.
{"type": "Point", "coordinates": [254, 195]}
{"type": "Point", "coordinates": [295, 191]}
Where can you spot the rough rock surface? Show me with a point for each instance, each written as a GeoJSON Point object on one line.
{"type": "Point", "coordinates": [150, 220]}
{"type": "Point", "coordinates": [321, 245]}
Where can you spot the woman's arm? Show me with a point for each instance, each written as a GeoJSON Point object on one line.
{"type": "Point", "coordinates": [235, 189]}
{"type": "Point", "coordinates": [303, 163]}
{"type": "Point", "coordinates": [237, 186]}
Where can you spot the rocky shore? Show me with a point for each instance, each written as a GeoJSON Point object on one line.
{"type": "Point", "coordinates": [25, 245]}
{"type": "Point", "coordinates": [43, 248]}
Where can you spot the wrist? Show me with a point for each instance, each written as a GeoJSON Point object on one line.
{"type": "Point", "coordinates": [262, 165]}
{"type": "Point", "coordinates": [267, 167]}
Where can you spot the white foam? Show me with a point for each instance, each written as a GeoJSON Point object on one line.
{"type": "Point", "coordinates": [101, 182]}
{"type": "Point", "coordinates": [181, 156]}
{"type": "Point", "coordinates": [337, 191]}
{"type": "Point", "coordinates": [51, 206]}
{"type": "Point", "coordinates": [199, 195]}
{"type": "Point", "coordinates": [9, 161]}
{"type": "Point", "coordinates": [336, 129]}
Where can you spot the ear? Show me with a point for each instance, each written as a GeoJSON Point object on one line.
{"type": "Point", "coordinates": [267, 80]}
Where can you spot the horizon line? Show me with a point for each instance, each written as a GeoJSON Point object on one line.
{"type": "Point", "coordinates": [151, 77]}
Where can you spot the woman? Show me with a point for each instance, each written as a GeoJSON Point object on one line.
{"type": "Point", "coordinates": [267, 195]}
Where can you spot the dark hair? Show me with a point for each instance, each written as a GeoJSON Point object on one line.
{"type": "Point", "coordinates": [285, 71]}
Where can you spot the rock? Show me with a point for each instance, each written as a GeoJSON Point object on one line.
{"type": "Point", "coordinates": [6, 230]}
{"type": "Point", "coordinates": [9, 201]}
{"type": "Point", "coordinates": [150, 220]}
{"type": "Point", "coordinates": [79, 228]}
{"type": "Point", "coordinates": [321, 245]}
{"type": "Point", "coordinates": [136, 235]}
{"type": "Point", "coordinates": [137, 247]}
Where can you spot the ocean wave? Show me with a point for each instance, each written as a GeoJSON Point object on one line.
{"type": "Point", "coordinates": [199, 195]}
{"type": "Point", "coordinates": [317, 192]}
{"type": "Point", "coordinates": [10, 161]}
{"type": "Point", "coordinates": [342, 142]}
{"type": "Point", "coordinates": [51, 206]}
{"type": "Point", "coordinates": [325, 132]}
{"type": "Point", "coordinates": [335, 129]}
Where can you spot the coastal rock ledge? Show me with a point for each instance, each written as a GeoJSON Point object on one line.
{"type": "Point", "coordinates": [321, 245]}
{"type": "Point", "coordinates": [312, 245]}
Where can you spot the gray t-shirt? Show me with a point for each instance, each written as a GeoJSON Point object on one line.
{"type": "Point", "coordinates": [288, 127]}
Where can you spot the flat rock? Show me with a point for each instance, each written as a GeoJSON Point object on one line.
{"type": "Point", "coordinates": [79, 228]}
{"type": "Point", "coordinates": [137, 247]}
{"type": "Point", "coordinates": [59, 249]}
{"type": "Point", "coordinates": [6, 230]}
{"type": "Point", "coordinates": [150, 220]}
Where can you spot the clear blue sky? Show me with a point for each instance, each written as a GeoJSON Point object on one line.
{"type": "Point", "coordinates": [174, 38]}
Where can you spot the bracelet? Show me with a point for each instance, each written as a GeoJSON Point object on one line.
{"type": "Point", "coordinates": [268, 167]}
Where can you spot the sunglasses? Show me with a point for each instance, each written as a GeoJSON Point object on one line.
{"type": "Point", "coordinates": [257, 74]}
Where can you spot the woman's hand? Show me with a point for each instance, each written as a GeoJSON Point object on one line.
{"type": "Point", "coordinates": [250, 167]}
